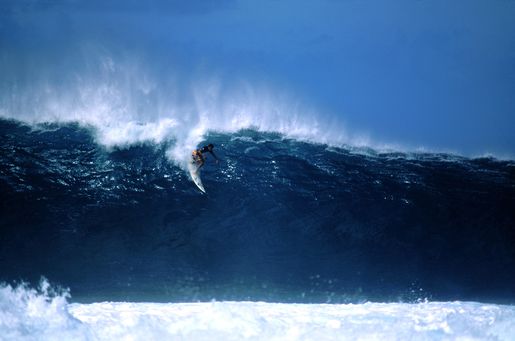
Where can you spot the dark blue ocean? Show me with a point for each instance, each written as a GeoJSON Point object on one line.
{"type": "Point", "coordinates": [282, 221]}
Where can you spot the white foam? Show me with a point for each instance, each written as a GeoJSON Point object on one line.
{"type": "Point", "coordinates": [27, 314]}
{"type": "Point", "coordinates": [273, 321]}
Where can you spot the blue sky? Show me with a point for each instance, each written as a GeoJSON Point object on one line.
{"type": "Point", "coordinates": [437, 74]}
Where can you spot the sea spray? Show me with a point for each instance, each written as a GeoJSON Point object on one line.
{"type": "Point", "coordinates": [37, 314]}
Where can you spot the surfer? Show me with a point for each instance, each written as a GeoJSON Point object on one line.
{"type": "Point", "coordinates": [198, 156]}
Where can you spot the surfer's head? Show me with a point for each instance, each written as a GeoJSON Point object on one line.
{"type": "Point", "coordinates": [210, 146]}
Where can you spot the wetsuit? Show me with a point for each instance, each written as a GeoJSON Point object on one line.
{"type": "Point", "coordinates": [199, 158]}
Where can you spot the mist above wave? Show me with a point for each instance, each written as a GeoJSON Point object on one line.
{"type": "Point", "coordinates": [128, 101]}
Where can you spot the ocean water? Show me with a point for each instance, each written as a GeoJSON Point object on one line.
{"type": "Point", "coordinates": [294, 239]}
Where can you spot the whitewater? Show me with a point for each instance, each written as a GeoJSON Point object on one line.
{"type": "Point", "coordinates": [28, 314]}
{"type": "Point", "coordinates": [294, 240]}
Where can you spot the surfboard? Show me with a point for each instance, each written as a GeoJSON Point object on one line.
{"type": "Point", "coordinates": [195, 176]}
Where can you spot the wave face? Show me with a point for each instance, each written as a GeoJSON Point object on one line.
{"type": "Point", "coordinates": [282, 220]}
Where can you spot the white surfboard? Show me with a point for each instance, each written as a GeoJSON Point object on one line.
{"type": "Point", "coordinates": [195, 175]}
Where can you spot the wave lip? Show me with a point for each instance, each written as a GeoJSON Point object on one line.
{"type": "Point", "coordinates": [126, 103]}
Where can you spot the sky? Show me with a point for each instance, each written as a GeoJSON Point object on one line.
{"type": "Point", "coordinates": [437, 74]}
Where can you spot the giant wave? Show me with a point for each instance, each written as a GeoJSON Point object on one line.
{"type": "Point", "coordinates": [285, 221]}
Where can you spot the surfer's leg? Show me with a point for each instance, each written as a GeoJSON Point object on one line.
{"type": "Point", "coordinates": [200, 164]}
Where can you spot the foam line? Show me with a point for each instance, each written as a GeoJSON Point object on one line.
{"type": "Point", "coordinates": [28, 314]}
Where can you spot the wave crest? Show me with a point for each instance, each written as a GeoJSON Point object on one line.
{"type": "Point", "coordinates": [128, 102]}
